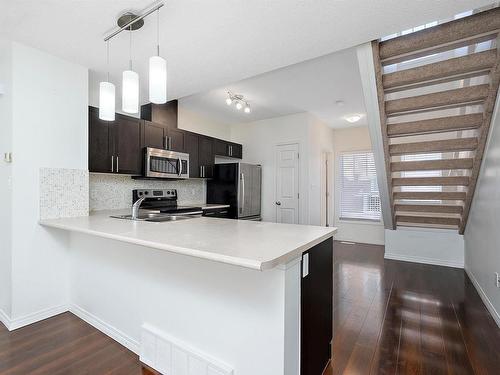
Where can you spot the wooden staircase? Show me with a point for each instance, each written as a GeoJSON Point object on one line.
{"type": "Point", "coordinates": [437, 90]}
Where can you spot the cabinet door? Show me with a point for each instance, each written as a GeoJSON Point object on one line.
{"type": "Point", "coordinates": [127, 140]}
{"type": "Point", "coordinates": [236, 150]}
{"type": "Point", "coordinates": [154, 135]}
{"type": "Point", "coordinates": [192, 148]}
{"type": "Point", "coordinates": [100, 145]}
{"type": "Point", "coordinates": [164, 114]}
{"type": "Point", "coordinates": [206, 156]}
{"type": "Point", "coordinates": [176, 139]}
{"type": "Point", "coordinates": [221, 147]}
{"type": "Point", "coordinates": [316, 308]}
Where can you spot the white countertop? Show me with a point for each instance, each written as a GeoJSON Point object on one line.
{"type": "Point", "coordinates": [250, 244]}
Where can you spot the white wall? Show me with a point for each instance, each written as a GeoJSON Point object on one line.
{"type": "Point", "coordinates": [441, 247]}
{"type": "Point", "coordinates": [348, 140]}
{"type": "Point", "coordinates": [192, 121]}
{"type": "Point", "coordinates": [482, 234]}
{"type": "Point", "coordinates": [320, 142]}
{"type": "Point", "coordinates": [5, 178]}
{"type": "Point", "coordinates": [260, 139]}
{"type": "Point", "coordinates": [49, 129]}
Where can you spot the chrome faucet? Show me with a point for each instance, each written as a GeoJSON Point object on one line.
{"type": "Point", "coordinates": [136, 206]}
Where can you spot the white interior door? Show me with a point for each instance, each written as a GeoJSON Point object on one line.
{"type": "Point", "coordinates": [287, 184]}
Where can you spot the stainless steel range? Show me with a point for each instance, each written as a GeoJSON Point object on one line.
{"type": "Point", "coordinates": [159, 205]}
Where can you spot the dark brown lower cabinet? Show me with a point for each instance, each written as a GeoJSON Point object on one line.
{"type": "Point", "coordinates": [317, 308]}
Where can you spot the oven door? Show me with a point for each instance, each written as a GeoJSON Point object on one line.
{"type": "Point", "coordinates": [166, 164]}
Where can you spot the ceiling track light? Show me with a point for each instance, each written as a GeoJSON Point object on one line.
{"type": "Point", "coordinates": [239, 102]}
{"type": "Point", "coordinates": [130, 79]}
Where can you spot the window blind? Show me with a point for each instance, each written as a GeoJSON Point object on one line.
{"type": "Point", "coordinates": [359, 196]}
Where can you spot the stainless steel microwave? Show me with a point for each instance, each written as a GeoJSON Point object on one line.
{"type": "Point", "coordinates": [165, 164]}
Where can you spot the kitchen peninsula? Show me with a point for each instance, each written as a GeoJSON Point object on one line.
{"type": "Point", "coordinates": [237, 297]}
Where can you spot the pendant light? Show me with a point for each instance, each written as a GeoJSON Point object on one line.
{"type": "Point", "coordinates": [157, 72]}
{"type": "Point", "coordinates": [107, 95]}
{"type": "Point", "coordinates": [130, 86]}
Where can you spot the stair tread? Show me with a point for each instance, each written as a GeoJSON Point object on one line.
{"type": "Point", "coordinates": [428, 220]}
{"type": "Point", "coordinates": [487, 22]}
{"type": "Point", "coordinates": [436, 125]}
{"type": "Point", "coordinates": [455, 68]}
{"type": "Point", "coordinates": [431, 181]}
{"type": "Point", "coordinates": [429, 195]}
{"type": "Point", "coordinates": [428, 208]}
{"type": "Point", "coordinates": [438, 100]}
{"type": "Point", "coordinates": [429, 165]}
{"type": "Point", "coordinates": [457, 144]}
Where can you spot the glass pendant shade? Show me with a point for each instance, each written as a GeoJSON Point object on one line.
{"type": "Point", "coordinates": [107, 101]}
{"type": "Point", "coordinates": [157, 80]}
{"type": "Point", "coordinates": [130, 92]}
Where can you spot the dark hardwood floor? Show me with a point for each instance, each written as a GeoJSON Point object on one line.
{"type": "Point", "coordinates": [390, 318]}
{"type": "Point", "coordinates": [64, 345]}
{"type": "Point", "coordinates": [406, 318]}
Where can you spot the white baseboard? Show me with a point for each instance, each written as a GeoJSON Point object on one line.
{"type": "Point", "coordinates": [106, 328]}
{"type": "Point", "coordinates": [494, 313]}
{"type": "Point", "coordinates": [417, 259]}
{"type": "Point", "coordinates": [4, 319]}
{"type": "Point", "coordinates": [36, 317]}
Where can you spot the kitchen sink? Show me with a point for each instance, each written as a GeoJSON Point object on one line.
{"type": "Point", "coordinates": [156, 217]}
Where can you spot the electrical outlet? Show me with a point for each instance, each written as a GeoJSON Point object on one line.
{"type": "Point", "coordinates": [497, 276]}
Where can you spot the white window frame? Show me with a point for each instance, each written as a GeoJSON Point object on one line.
{"type": "Point", "coordinates": [340, 190]}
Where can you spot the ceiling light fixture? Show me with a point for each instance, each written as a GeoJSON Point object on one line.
{"type": "Point", "coordinates": [157, 71]}
{"type": "Point", "coordinates": [107, 95]}
{"type": "Point", "coordinates": [354, 118]}
{"type": "Point", "coordinates": [239, 101]}
{"type": "Point", "coordinates": [130, 79]}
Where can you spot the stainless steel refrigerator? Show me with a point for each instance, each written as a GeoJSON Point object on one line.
{"type": "Point", "coordinates": [239, 185]}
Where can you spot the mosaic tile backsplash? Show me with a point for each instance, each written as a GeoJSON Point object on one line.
{"type": "Point", "coordinates": [109, 192]}
{"type": "Point", "coordinates": [63, 193]}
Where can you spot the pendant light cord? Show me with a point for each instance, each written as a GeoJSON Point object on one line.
{"type": "Point", "coordinates": [158, 31]}
{"type": "Point", "coordinates": [130, 48]}
{"type": "Point", "coordinates": [107, 58]}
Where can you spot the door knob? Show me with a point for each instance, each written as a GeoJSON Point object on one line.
{"type": "Point", "coordinates": [278, 203]}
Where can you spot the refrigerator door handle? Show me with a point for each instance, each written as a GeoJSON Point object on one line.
{"type": "Point", "coordinates": [242, 193]}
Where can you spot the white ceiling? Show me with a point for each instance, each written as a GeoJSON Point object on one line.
{"type": "Point", "coordinates": [210, 43]}
{"type": "Point", "coordinates": [313, 86]}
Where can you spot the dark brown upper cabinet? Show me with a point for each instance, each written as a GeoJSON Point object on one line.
{"type": "Point", "coordinates": [159, 136]}
{"type": "Point", "coordinates": [115, 146]}
{"type": "Point", "coordinates": [163, 114]}
{"type": "Point", "coordinates": [128, 145]}
{"type": "Point", "coordinates": [192, 144]}
{"type": "Point", "coordinates": [229, 149]}
{"type": "Point", "coordinates": [206, 156]}
{"type": "Point", "coordinates": [100, 143]}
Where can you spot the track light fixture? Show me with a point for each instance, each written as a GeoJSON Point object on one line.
{"type": "Point", "coordinates": [239, 102]}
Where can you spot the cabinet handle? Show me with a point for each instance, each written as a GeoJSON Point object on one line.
{"type": "Point", "coordinates": [169, 143]}
{"type": "Point", "coordinates": [165, 144]}
{"type": "Point", "coordinates": [117, 161]}
{"type": "Point", "coordinates": [230, 150]}
{"type": "Point", "coordinates": [112, 163]}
